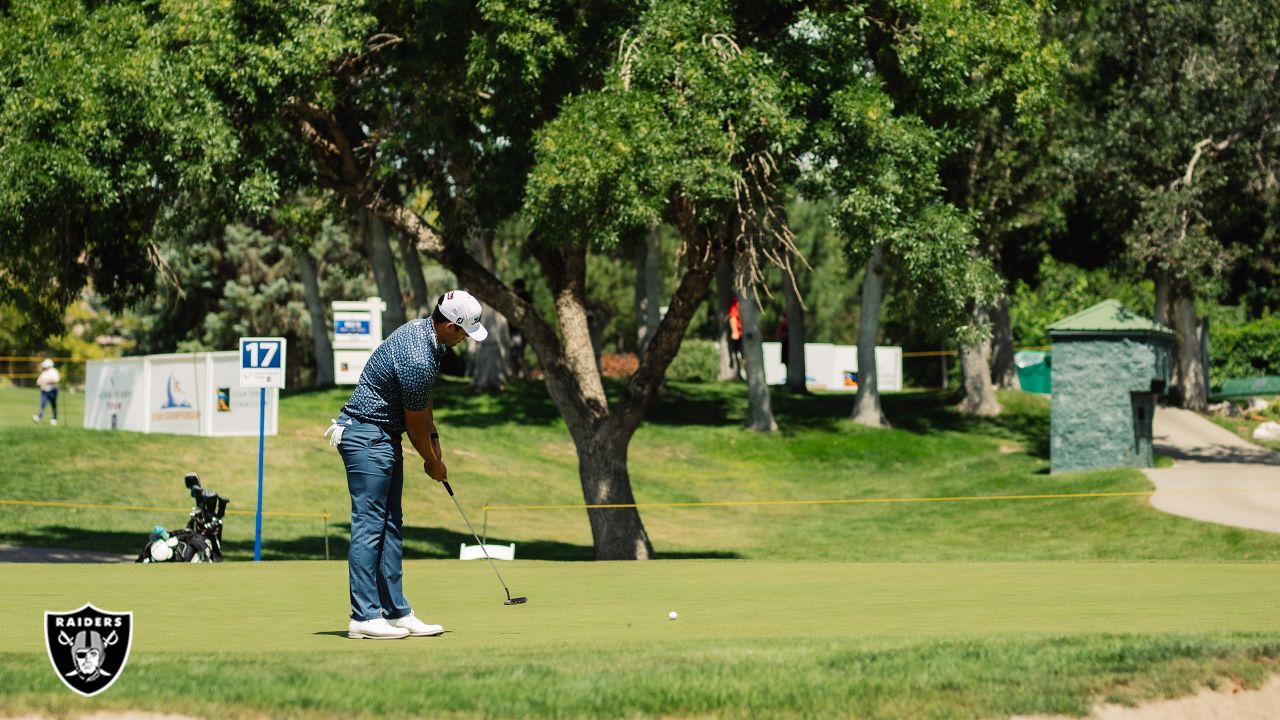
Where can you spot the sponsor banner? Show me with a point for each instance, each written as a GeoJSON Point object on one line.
{"type": "Point", "coordinates": [114, 397]}
{"type": "Point", "coordinates": [174, 387]}
{"type": "Point", "coordinates": [241, 414]}
{"type": "Point", "coordinates": [187, 394]}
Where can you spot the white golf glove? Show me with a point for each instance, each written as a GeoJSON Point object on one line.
{"type": "Point", "coordinates": [334, 433]}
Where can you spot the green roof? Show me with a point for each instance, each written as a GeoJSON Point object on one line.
{"type": "Point", "coordinates": [1109, 317]}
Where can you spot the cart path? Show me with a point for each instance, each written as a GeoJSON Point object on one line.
{"type": "Point", "coordinates": [1208, 457]}
{"type": "Point", "coordinates": [15, 554]}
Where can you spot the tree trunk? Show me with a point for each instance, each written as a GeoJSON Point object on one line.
{"type": "Point", "coordinates": [648, 287]}
{"type": "Point", "coordinates": [617, 533]}
{"type": "Point", "coordinates": [975, 370]}
{"type": "Point", "coordinates": [1195, 393]}
{"type": "Point", "coordinates": [866, 407]}
{"type": "Point", "coordinates": [490, 367]}
{"type": "Point", "coordinates": [1004, 374]}
{"type": "Point", "coordinates": [1164, 314]}
{"type": "Point", "coordinates": [384, 270]}
{"type": "Point", "coordinates": [422, 301]}
{"type": "Point", "coordinates": [1164, 300]}
{"type": "Point", "coordinates": [759, 408]}
{"type": "Point", "coordinates": [795, 339]}
{"type": "Point", "coordinates": [320, 343]}
{"type": "Point", "coordinates": [724, 298]}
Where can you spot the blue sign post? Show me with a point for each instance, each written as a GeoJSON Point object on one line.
{"type": "Point", "coordinates": [261, 366]}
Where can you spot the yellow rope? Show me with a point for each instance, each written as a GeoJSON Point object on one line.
{"type": "Point", "coordinates": [963, 498]}
{"type": "Point", "coordinates": [92, 506]}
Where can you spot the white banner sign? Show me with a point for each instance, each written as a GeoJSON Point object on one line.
{"type": "Point", "coordinates": [835, 367]}
{"type": "Point", "coordinates": [188, 394]}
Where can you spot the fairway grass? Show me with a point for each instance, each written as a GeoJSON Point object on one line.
{"type": "Point", "coordinates": [754, 639]}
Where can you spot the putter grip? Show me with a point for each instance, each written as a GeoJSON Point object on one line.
{"type": "Point", "coordinates": [446, 487]}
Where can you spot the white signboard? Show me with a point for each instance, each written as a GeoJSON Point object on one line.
{"type": "Point", "coordinates": [357, 332]}
{"type": "Point", "coordinates": [835, 367]}
{"type": "Point", "coordinates": [115, 398]}
{"type": "Point", "coordinates": [262, 362]}
{"type": "Point", "coordinates": [187, 394]}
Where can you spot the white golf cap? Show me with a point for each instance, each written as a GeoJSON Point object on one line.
{"type": "Point", "coordinates": [47, 363]}
{"type": "Point", "coordinates": [462, 309]}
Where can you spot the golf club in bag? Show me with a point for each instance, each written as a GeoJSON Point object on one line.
{"type": "Point", "coordinates": [200, 541]}
{"type": "Point", "coordinates": [510, 600]}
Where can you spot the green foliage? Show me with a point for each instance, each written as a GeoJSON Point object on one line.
{"type": "Point", "coordinates": [1242, 351]}
{"type": "Point", "coordinates": [697, 361]}
{"type": "Point", "coordinates": [684, 109]}
{"type": "Point", "coordinates": [1061, 290]}
{"type": "Point", "coordinates": [930, 80]}
{"type": "Point", "coordinates": [243, 282]}
{"type": "Point", "coordinates": [126, 121]}
{"type": "Point", "coordinates": [1156, 87]}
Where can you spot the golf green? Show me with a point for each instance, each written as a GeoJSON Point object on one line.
{"type": "Point", "coordinates": [754, 639]}
{"type": "Point", "coordinates": [284, 607]}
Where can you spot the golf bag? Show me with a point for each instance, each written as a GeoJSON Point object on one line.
{"type": "Point", "coordinates": [200, 541]}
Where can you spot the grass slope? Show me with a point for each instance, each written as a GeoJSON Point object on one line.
{"type": "Point", "coordinates": [513, 449]}
{"type": "Point", "coordinates": [754, 639]}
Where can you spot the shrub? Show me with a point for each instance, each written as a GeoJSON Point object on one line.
{"type": "Point", "coordinates": [1248, 350]}
{"type": "Point", "coordinates": [697, 361]}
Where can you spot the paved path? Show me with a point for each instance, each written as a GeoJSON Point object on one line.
{"type": "Point", "coordinates": [15, 554]}
{"type": "Point", "coordinates": [1208, 457]}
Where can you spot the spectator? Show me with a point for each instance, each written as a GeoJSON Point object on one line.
{"type": "Point", "coordinates": [48, 382]}
{"type": "Point", "coordinates": [735, 337]}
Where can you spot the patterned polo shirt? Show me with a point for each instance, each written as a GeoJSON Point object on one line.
{"type": "Point", "coordinates": [399, 376]}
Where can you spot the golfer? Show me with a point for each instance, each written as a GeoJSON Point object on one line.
{"type": "Point", "coordinates": [392, 397]}
{"type": "Point", "coordinates": [48, 382]}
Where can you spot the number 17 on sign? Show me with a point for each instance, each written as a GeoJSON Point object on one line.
{"type": "Point", "coordinates": [261, 366]}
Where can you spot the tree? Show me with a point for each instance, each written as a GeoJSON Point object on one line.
{"type": "Point", "coordinates": [1182, 102]}
{"type": "Point", "coordinates": [618, 118]}
{"type": "Point", "coordinates": [884, 128]}
{"type": "Point", "coordinates": [683, 128]}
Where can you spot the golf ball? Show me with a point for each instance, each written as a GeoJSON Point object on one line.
{"type": "Point", "coordinates": [672, 615]}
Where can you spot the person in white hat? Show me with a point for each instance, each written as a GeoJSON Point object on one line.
{"type": "Point", "coordinates": [48, 383]}
{"type": "Point", "coordinates": [393, 396]}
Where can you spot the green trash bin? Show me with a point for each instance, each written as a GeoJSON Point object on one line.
{"type": "Point", "coordinates": [1034, 371]}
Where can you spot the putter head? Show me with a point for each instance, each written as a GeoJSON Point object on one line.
{"type": "Point", "coordinates": [516, 601]}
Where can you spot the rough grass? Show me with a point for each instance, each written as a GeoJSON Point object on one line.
{"type": "Point", "coordinates": [512, 449]}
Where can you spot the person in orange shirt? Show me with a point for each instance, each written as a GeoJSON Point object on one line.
{"type": "Point", "coordinates": [735, 336]}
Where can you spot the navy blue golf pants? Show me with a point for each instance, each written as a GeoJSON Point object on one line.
{"type": "Point", "coordinates": [375, 477]}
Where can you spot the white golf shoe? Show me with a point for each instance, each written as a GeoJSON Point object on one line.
{"type": "Point", "coordinates": [54, 422]}
{"type": "Point", "coordinates": [416, 627]}
{"type": "Point", "coordinates": [35, 419]}
{"type": "Point", "coordinates": [375, 629]}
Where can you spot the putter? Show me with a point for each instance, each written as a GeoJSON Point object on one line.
{"type": "Point", "coordinates": [510, 600]}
